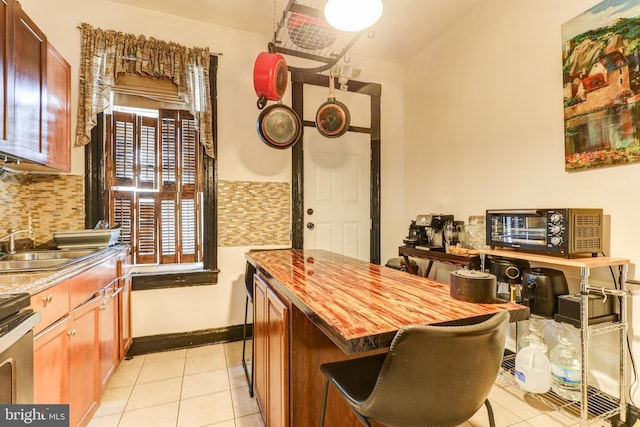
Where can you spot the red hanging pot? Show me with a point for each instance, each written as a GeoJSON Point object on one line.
{"type": "Point", "coordinates": [270, 77]}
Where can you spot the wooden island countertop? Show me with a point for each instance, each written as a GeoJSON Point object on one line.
{"type": "Point", "coordinates": [360, 306]}
{"type": "Point", "coordinates": [313, 307]}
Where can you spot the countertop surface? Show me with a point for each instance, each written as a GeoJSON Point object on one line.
{"type": "Point", "coordinates": [360, 305]}
{"type": "Point", "coordinates": [33, 282]}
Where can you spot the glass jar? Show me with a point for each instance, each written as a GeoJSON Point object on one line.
{"type": "Point", "coordinates": [476, 232]}
{"type": "Point", "coordinates": [534, 336]}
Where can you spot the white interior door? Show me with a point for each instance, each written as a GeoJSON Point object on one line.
{"type": "Point", "coordinates": [337, 194]}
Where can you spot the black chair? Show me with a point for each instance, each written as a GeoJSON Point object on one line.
{"type": "Point", "coordinates": [249, 271]}
{"type": "Point", "coordinates": [431, 376]}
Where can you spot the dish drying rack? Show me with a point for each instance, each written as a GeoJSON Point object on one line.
{"type": "Point", "coordinates": [303, 32]}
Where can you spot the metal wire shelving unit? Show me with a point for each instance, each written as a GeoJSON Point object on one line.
{"type": "Point", "coordinates": [594, 405]}
{"type": "Point", "coordinates": [302, 32]}
{"type": "Point", "coordinates": [601, 406]}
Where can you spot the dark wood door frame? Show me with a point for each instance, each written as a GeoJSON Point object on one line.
{"type": "Point", "coordinates": [374, 91]}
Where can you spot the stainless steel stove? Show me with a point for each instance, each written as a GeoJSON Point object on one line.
{"type": "Point", "coordinates": [16, 348]}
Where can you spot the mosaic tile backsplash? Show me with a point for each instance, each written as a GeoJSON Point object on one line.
{"type": "Point", "coordinates": [249, 213]}
{"type": "Point", "coordinates": [45, 203]}
{"type": "Point", "coordinates": [254, 213]}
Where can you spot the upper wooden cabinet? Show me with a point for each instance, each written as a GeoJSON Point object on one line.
{"type": "Point", "coordinates": [58, 113]}
{"type": "Point", "coordinates": [29, 86]}
{"type": "Point", "coordinates": [36, 93]}
{"type": "Point", "coordinates": [6, 18]}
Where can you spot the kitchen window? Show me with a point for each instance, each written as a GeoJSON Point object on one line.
{"type": "Point", "coordinates": [154, 186]}
{"type": "Point", "coordinates": [158, 75]}
{"type": "Point", "coordinates": [97, 196]}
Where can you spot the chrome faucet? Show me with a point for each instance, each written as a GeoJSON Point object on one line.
{"type": "Point", "coordinates": [12, 240]}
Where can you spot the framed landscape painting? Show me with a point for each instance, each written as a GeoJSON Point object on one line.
{"type": "Point", "coordinates": [601, 86]}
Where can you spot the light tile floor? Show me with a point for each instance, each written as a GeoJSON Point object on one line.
{"type": "Point", "coordinates": [205, 386]}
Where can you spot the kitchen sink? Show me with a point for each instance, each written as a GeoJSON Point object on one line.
{"type": "Point", "coordinates": [48, 255]}
{"type": "Point", "coordinates": [42, 260]}
{"type": "Point", "coordinates": [31, 265]}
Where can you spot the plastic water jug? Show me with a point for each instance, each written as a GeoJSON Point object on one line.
{"type": "Point", "coordinates": [533, 369]}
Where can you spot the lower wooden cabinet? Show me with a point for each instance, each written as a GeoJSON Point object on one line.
{"type": "Point", "coordinates": [108, 334]}
{"type": "Point", "coordinates": [51, 363]}
{"type": "Point", "coordinates": [271, 354]}
{"type": "Point", "coordinates": [125, 337]}
{"type": "Point", "coordinates": [83, 362]}
{"type": "Point", "coordinates": [77, 351]}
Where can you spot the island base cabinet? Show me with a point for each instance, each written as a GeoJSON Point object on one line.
{"type": "Point", "coordinates": [271, 355]}
{"type": "Point", "coordinates": [260, 345]}
{"type": "Point", "coordinates": [310, 349]}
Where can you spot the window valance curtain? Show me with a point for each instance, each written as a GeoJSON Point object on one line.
{"type": "Point", "coordinates": [106, 53]}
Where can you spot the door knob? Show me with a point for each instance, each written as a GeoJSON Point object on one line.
{"type": "Point", "coordinates": [309, 211]}
{"type": "Point", "coordinates": [310, 225]}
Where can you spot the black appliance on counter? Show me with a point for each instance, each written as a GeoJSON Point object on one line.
{"type": "Point", "coordinates": [508, 272]}
{"type": "Point", "coordinates": [599, 309]}
{"type": "Point", "coordinates": [16, 348]}
{"type": "Point", "coordinates": [427, 231]}
{"type": "Point", "coordinates": [561, 232]}
{"type": "Point", "coordinates": [541, 288]}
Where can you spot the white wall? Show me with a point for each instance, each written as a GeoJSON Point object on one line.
{"type": "Point", "coordinates": [484, 129]}
{"type": "Point", "coordinates": [241, 156]}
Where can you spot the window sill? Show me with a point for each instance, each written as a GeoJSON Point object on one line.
{"type": "Point", "coordinates": [162, 280]}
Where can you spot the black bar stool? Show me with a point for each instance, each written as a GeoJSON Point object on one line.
{"type": "Point", "coordinates": [249, 271]}
{"type": "Point", "coordinates": [431, 376]}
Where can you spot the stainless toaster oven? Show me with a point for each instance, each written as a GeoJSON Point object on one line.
{"type": "Point", "coordinates": [562, 232]}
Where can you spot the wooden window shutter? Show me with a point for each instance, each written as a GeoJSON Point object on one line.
{"type": "Point", "coordinates": [189, 224]}
{"type": "Point", "coordinates": [189, 146]}
{"type": "Point", "coordinates": [155, 185]}
{"type": "Point", "coordinates": [169, 149]}
{"type": "Point", "coordinates": [147, 240]}
{"type": "Point", "coordinates": [168, 230]}
{"type": "Point", "coordinates": [123, 147]}
{"type": "Point", "coordinates": [147, 140]}
{"type": "Point", "coordinates": [122, 213]}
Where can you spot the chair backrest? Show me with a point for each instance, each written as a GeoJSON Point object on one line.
{"type": "Point", "coordinates": [438, 375]}
{"type": "Point", "coordinates": [249, 271]}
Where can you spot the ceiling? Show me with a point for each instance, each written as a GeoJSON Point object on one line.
{"type": "Point", "coordinates": [405, 28]}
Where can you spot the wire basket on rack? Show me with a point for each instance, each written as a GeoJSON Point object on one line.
{"type": "Point", "coordinates": [310, 33]}
{"type": "Point", "coordinates": [303, 32]}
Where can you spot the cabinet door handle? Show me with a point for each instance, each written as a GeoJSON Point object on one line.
{"type": "Point", "coordinates": [47, 299]}
{"type": "Point", "coordinates": [71, 333]}
{"type": "Point", "coordinates": [117, 292]}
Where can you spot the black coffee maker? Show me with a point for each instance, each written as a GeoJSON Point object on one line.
{"type": "Point", "coordinates": [413, 239]}
{"type": "Point", "coordinates": [427, 231]}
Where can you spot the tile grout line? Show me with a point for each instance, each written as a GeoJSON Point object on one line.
{"type": "Point", "coordinates": [181, 388]}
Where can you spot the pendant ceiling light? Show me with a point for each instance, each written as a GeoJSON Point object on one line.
{"type": "Point", "coordinates": [352, 15]}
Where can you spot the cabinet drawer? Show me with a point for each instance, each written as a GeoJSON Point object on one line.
{"type": "Point", "coordinates": [52, 303]}
{"type": "Point", "coordinates": [87, 284]}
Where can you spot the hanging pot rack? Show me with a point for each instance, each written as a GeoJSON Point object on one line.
{"type": "Point", "coordinates": [303, 32]}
